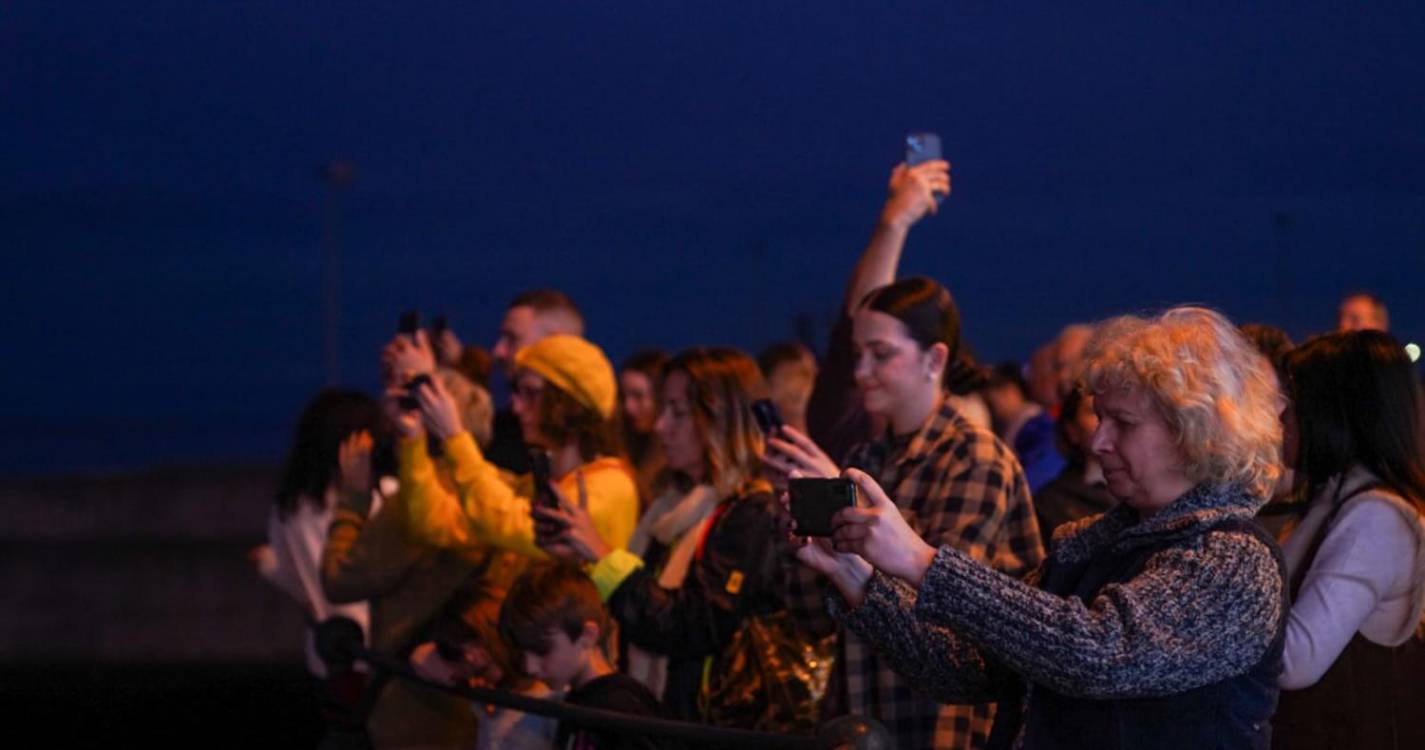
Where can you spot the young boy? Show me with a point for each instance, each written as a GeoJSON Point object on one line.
{"type": "Point", "coordinates": [554, 618]}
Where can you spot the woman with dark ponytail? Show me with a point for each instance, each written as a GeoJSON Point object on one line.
{"type": "Point", "coordinates": [954, 481]}
{"type": "Point", "coordinates": [894, 399]}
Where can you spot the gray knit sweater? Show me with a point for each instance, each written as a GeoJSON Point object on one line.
{"type": "Point", "coordinates": [1202, 610]}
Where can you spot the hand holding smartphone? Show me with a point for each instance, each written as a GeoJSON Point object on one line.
{"type": "Point", "coordinates": [921, 148]}
{"type": "Point", "coordinates": [543, 495]}
{"type": "Point", "coordinates": [815, 501]}
{"type": "Point", "coordinates": [410, 402]}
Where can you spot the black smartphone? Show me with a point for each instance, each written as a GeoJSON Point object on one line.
{"type": "Point", "coordinates": [815, 501]}
{"type": "Point", "coordinates": [539, 465]}
{"type": "Point", "coordinates": [767, 416]}
{"type": "Point", "coordinates": [543, 495]}
{"type": "Point", "coordinates": [921, 148]}
{"type": "Point", "coordinates": [409, 323]}
{"type": "Point", "coordinates": [409, 402]}
{"type": "Point", "coordinates": [438, 324]}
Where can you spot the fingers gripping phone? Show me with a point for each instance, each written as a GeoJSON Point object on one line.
{"type": "Point", "coordinates": [769, 419]}
{"type": "Point", "coordinates": [815, 501]}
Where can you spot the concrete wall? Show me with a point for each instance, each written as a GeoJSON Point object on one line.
{"type": "Point", "coordinates": [144, 566]}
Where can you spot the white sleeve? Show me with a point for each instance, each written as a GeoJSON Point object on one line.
{"type": "Point", "coordinates": [1359, 563]}
{"type": "Point", "coordinates": [282, 569]}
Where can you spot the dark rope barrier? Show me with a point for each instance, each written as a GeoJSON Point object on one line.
{"type": "Point", "coordinates": [339, 643]}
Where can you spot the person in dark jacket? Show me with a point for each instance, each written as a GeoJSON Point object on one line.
{"type": "Point", "coordinates": [1079, 490]}
{"type": "Point", "coordinates": [725, 558]}
{"type": "Point", "coordinates": [1158, 624]}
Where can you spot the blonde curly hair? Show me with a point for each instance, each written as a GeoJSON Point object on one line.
{"type": "Point", "coordinates": [1218, 394]}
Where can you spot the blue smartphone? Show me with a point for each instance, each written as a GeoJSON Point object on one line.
{"type": "Point", "coordinates": [921, 148]}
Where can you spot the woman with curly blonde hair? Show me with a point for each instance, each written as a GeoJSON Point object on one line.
{"type": "Point", "coordinates": [1156, 624]}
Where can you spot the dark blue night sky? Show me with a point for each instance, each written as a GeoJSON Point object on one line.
{"type": "Point", "coordinates": [689, 172]}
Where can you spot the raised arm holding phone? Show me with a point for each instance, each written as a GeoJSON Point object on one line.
{"type": "Point", "coordinates": [892, 362]}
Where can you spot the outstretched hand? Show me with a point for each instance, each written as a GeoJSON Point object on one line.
{"type": "Point", "coordinates": [913, 191]}
{"type": "Point", "coordinates": [876, 530]}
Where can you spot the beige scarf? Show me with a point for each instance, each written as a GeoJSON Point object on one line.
{"type": "Point", "coordinates": [677, 522]}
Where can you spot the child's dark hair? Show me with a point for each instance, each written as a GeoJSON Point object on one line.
{"type": "Point", "coordinates": [549, 596]}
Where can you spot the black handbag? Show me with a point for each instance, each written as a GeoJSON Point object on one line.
{"type": "Point", "coordinates": [771, 677]}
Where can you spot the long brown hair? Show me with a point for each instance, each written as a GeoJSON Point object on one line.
{"type": "Point", "coordinates": [722, 384]}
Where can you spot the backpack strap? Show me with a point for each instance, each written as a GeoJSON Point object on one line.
{"type": "Point", "coordinates": [1316, 541]}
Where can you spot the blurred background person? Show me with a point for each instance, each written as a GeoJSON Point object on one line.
{"type": "Point", "coordinates": [1041, 379]}
{"type": "Point", "coordinates": [368, 557]}
{"type": "Point", "coordinates": [1023, 425]}
{"type": "Point", "coordinates": [789, 368]}
{"type": "Point", "coordinates": [1285, 505]}
{"type": "Point", "coordinates": [1272, 342]}
{"type": "Point", "coordinates": [530, 316]}
{"type": "Point", "coordinates": [306, 500]}
{"type": "Point", "coordinates": [1355, 642]}
{"type": "Point", "coordinates": [1362, 311]}
{"type": "Point", "coordinates": [638, 383]}
{"type": "Point", "coordinates": [1079, 490]}
{"type": "Point", "coordinates": [1069, 355]}
{"type": "Point", "coordinates": [450, 352]}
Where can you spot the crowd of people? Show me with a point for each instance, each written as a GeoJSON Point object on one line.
{"type": "Point", "coordinates": [1158, 531]}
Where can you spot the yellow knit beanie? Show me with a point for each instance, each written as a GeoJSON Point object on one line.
{"type": "Point", "coordinates": [574, 366]}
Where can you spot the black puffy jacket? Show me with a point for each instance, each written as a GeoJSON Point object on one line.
{"type": "Point", "coordinates": [738, 571]}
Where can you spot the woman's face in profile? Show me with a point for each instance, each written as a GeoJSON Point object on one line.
{"type": "Point", "coordinates": [677, 431]}
{"type": "Point", "coordinates": [1141, 460]}
{"type": "Point", "coordinates": [639, 406]}
{"type": "Point", "coordinates": [524, 402]}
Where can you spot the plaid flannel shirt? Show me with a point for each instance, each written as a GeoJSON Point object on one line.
{"type": "Point", "coordinates": [956, 484]}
